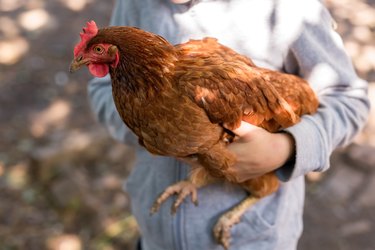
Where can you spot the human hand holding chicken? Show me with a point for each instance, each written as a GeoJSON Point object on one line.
{"type": "Point", "coordinates": [259, 152]}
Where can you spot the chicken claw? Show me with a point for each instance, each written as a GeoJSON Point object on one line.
{"type": "Point", "coordinates": [229, 219]}
{"type": "Point", "coordinates": [183, 189]}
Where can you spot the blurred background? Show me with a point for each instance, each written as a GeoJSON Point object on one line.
{"type": "Point", "coordinates": [61, 175]}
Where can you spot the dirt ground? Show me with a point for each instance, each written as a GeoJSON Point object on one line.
{"type": "Point", "coordinates": [61, 175]}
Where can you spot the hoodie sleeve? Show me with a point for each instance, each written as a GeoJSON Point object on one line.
{"type": "Point", "coordinates": [318, 56]}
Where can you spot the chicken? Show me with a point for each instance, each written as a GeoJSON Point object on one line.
{"type": "Point", "coordinates": [176, 99]}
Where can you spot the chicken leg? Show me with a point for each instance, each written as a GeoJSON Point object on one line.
{"type": "Point", "coordinates": [183, 189]}
{"type": "Point", "coordinates": [198, 177]}
{"type": "Point", "coordinates": [223, 226]}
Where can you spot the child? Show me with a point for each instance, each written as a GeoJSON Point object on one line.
{"type": "Point", "coordinates": [287, 35]}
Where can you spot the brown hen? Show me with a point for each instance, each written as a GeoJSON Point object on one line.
{"type": "Point", "coordinates": [177, 98]}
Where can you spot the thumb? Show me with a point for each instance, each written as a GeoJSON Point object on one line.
{"type": "Point", "coordinates": [244, 129]}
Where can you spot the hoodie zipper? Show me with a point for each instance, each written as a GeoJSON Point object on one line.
{"type": "Point", "coordinates": [178, 220]}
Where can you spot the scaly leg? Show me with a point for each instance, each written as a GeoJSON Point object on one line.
{"type": "Point", "coordinates": [230, 218]}
{"type": "Point", "coordinates": [198, 177]}
{"type": "Point", "coordinates": [183, 189]}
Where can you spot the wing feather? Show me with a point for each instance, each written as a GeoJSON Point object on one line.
{"type": "Point", "coordinates": [230, 88]}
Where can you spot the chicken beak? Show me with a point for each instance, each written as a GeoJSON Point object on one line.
{"type": "Point", "coordinates": [77, 63]}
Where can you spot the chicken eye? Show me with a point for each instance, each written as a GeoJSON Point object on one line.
{"type": "Point", "coordinates": [98, 49]}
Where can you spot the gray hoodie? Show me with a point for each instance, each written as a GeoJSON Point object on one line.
{"type": "Point", "coordinates": [293, 36]}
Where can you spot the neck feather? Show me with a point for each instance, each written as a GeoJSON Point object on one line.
{"type": "Point", "coordinates": [146, 60]}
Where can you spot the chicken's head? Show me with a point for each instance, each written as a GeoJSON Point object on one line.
{"type": "Point", "coordinates": [97, 56]}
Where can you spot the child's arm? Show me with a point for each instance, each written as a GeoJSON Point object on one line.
{"type": "Point", "coordinates": [317, 55]}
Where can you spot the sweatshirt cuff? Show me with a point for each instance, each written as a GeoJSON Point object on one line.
{"type": "Point", "coordinates": [311, 153]}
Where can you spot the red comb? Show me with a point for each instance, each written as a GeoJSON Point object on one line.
{"type": "Point", "coordinates": [87, 33]}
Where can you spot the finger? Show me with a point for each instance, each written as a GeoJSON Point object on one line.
{"type": "Point", "coordinates": [244, 129]}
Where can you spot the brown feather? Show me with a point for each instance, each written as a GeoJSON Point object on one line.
{"type": "Point", "coordinates": [176, 99]}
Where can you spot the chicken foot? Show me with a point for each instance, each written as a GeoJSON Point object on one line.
{"type": "Point", "coordinates": [182, 189]}
{"type": "Point", "coordinates": [232, 217]}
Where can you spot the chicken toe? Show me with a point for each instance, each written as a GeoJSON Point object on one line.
{"type": "Point", "coordinates": [223, 226]}
{"type": "Point", "coordinates": [182, 189]}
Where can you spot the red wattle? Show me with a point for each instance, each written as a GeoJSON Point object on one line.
{"type": "Point", "coordinates": [98, 70]}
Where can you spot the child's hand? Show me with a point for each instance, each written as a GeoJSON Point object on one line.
{"type": "Point", "coordinates": [259, 151]}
